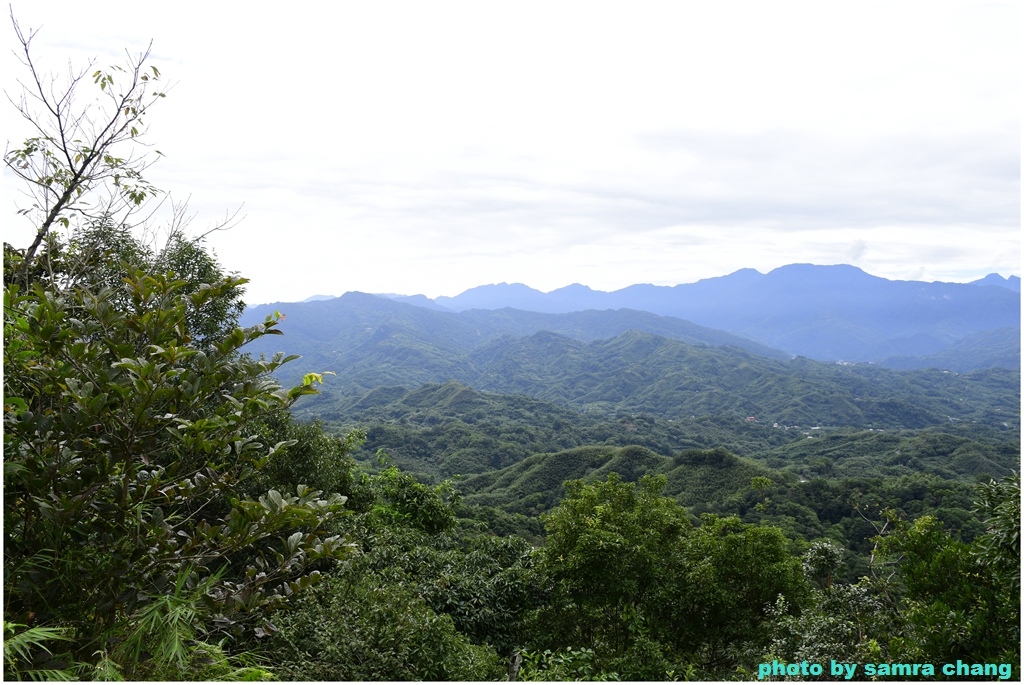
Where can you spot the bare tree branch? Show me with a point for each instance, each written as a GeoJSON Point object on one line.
{"type": "Point", "coordinates": [73, 168]}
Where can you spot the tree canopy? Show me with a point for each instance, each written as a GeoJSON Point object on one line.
{"type": "Point", "coordinates": [132, 418]}
{"type": "Point", "coordinates": [166, 517]}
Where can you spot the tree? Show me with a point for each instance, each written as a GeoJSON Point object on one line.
{"type": "Point", "coordinates": [425, 599]}
{"type": "Point", "coordinates": [956, 600]}
{"type": "Point", "coordinates": [606, 543]}
{"type": "Point", "coordinates": [101, 256]}
{"type": "Point", "coordinates": [839, 621]}
{"type": "Point", "coordinates": [82, 164]}
{"type": "Point", "coordinates": [401, 497]}
{"type": "Point", "coordinates": [132, 420]}
{"type": "Point", "coordinates": [359, 628]}
{"type": "Point", "coordinates": [939, 598]}
{"type": "Point", "coordinates": [728, 574]}
{"type": "Point", "coordinates": [123, 446]}
{"type": "Point", "coordinates": [999, 546]}
{"type": "Point", "coordinates": [608, 554]}
{"type": "Point", "coordinates": [648, 592]}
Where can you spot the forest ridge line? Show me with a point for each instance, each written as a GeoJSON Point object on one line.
{"type": "Point", "coordinates": [826, 313]}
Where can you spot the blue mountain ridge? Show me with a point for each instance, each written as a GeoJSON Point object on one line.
{"type": "Point", "coordinates": [828, 313]}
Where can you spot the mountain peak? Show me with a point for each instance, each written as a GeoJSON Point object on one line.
{"type": "Point", "coordinates": [574, 288]}
{"type": "Point", "coordinates": [831, 272]}
{"type": "Point", "coordinates": [494, 296]}
{"type": "Point", "coordinates": [1011, 283]}
{"type": "Point", "coordinates": [507, 287]}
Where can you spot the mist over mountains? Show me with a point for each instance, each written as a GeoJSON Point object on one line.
{"type": "Point", "coordinates": [826, 313]}
{"type": "Point", "coordinates": [778, 358]}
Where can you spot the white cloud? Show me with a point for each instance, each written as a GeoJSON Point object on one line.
{"type": "Point", "coordinates": [430, 147]}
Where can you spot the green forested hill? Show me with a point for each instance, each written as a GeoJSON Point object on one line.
{"type": "Point", "coordinates": [642, 373]}
{"type": "Point", "coordinates": [695, 477]}
{"type": "Point", "coordinates": [948, 453]}
{"type": "Point", "coordinates": [646, 373]}
{"type": "Point", "coordinates": [670, 368]}
{"type": "Point", "coordinates": [447, 429]}
{"type": "Point", "coordinates": [367, 335]}
{"type": "Point", "coordinates": [511, 455]}
{"type": "Point", "coordinates": [439, 431]}
{"type": "Point", "coordinates": [516, 416]}
{"type": "Point", "coordinates": [654, 504]}
{"type": "Point", "coordinates": [717, 481]}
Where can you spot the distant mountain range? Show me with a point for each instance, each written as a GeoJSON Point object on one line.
{"type": "Point", "coordinates": [826, 313]}
{"type": "Point", "coordinates": [605, 361]}
{"type": "Point", "coordinates": [372, 341]}
{"type": "Point", "coordinates": [1013, 282]}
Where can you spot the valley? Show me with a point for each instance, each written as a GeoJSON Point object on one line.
{"type": "Point", "coordinates": [509, 404]}
{"type": "Point", "coordinates": [689, 469]}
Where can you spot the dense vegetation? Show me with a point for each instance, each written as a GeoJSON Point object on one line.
{"type": "Point", "coordinates": [663, 370]}
{"type": "Point", "coordinates": [167, 517]}
{"type": "Point", "coordinates": [448, 429]}
{"type": "Point", "coordinates": [127, 413]}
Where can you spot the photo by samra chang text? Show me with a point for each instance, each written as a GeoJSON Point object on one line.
{"type": "Point", "coordinates": [854, 671]}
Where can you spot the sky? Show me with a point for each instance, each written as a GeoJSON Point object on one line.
{"type": "Point", "coordinates": [412, 147]}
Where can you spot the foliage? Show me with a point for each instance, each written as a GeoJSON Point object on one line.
{"type": "Point", "coordinates": [131, 416]}
{"type": "Point", "coordinates": [729, 574]}
{"type": "Point", "coordinates": [930, 598]}
{"type": "Point", "coordinates": [605, 542]}
{"type": "Point", "coordinates": [363, 629]}
{"type": "Point", "coordinates": [100, 256]}
{"type": "Point", "coordinates": [28, 653]}
{"type": "Point", "coordinates": [648, 593]}
{"type": "Point", "coordinates": [821, 561]}
{"type": "Point", "coordinates": [82, 163]}
{"type": "Point", "coordinates": [849, 511]}
{"type": "Point", "coordinates": [486, 585]}
{"type": "Point", "coordinates": [419, 602]}
{"type": "Point", "coordinates": [563, 665]}
{"type": "Point", "coordinates": [842, 622]}
{"type": "Point", "coordinates": [308, 455]}
{"type": "Point", "coordinates": [951, 601]}
{"type": "Point", "coordinates": [401, 497]}
{"type": "Point", "coordinates": [999, 546]}
{"type": "Point", "coordinates": [123, 442]}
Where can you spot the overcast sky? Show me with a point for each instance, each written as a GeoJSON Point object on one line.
{"type": "Point", "coordinates": [429, 147]}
